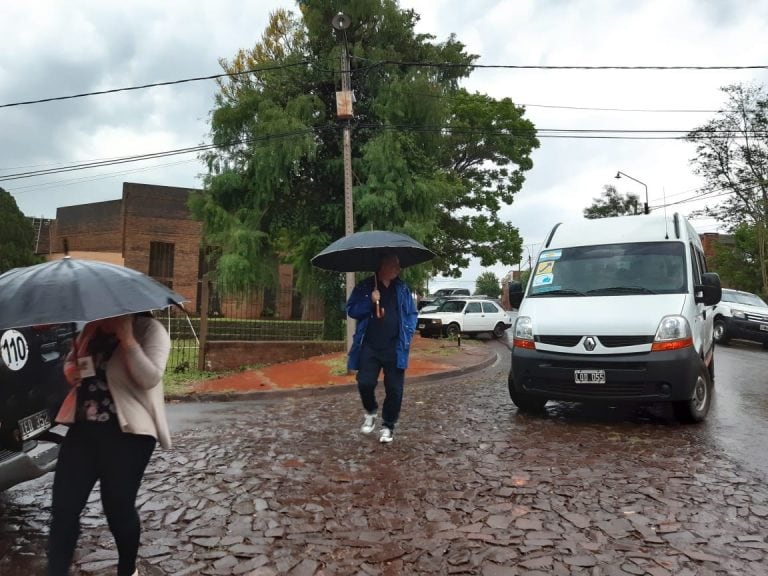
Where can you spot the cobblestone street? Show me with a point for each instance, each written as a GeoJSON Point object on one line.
{"type": "Point", "coordinates": [289, 486]}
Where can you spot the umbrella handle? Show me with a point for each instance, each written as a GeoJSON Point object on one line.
{"type": "Point", "coordinates": [379, 310]}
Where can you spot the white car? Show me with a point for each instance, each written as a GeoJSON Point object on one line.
{"type": "Point", "coordinates": [741, 315]}
{"type": "Point", "coordinates": [465, 316]}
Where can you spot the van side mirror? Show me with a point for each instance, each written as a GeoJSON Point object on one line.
{"type": "Point", "coordinates": [515, 294]}
{"type": "Point", "coordinates": [709, 291]}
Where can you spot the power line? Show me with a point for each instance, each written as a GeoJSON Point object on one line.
{"type": "Point", "coordinates": [155, 84]}
{"type": "Point", "coordinates": [373, 64]}
{"type": "Point", "coordinates": [153, 155]}
{"type": "Point", "coordinates": [561, 133]}
{"type": "Point", "coordinates": [596, 109]}
{"type": "Point", "coordinates": [554, 67]}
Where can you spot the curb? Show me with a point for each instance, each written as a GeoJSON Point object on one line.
{"type": "Point", "coordinates": [324, 390]}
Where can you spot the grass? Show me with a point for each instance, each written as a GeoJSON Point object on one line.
{"type": "Point", "coordinates": [338, 366]}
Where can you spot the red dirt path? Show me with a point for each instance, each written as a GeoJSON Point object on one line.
{"type": "Point", "coordinates": [428, 356]}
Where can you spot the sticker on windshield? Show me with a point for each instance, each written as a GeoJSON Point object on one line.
{"type": "Point", "coordinates": [550, 255]}
{"type": "Point", "coordinates": [545, 267]}
{"type": "Point", "coordinates": [542, 280]}
{"type": "Point", "coordinates": [14, 349]}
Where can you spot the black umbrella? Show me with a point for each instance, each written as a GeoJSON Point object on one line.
{"type": "Point", "coordinates": [70, 290]}
{"type": "Point", "coordinates": [362, 251]}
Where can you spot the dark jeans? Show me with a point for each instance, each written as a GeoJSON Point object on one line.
{"type": "Point", "coordinates": [90, 452]}
{"type": "Point", "coordinates": [372, 362]}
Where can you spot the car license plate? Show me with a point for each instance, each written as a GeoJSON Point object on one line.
{"type": "Point", "coordinates": [421, 326]}
{"type": "Point", "coordinates": [34, 424]}
{"type": "Point", "coordinates": [764, 327]}
{"type": "Point", "coordinates": [589, 376]}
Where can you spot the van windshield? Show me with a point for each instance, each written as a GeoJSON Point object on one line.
{"type": "Point", "coordinates": [611, 269]}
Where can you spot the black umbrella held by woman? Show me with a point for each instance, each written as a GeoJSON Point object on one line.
{"type": "Point", "coordinates": [74, 290]}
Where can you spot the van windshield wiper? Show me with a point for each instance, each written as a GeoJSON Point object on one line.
{"type": "Point", "coordinates": [622, 290]}
{"type": "Point", "coordinates": [559, 292]}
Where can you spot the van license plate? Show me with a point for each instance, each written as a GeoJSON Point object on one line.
{"type": "Point", "coordinates": [34, 424]}
{"type": "Point", "coordinates": [589, 376]}
{"type": "Point", "coordinates": [764, 327]}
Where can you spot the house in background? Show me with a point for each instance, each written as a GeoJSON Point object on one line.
{"type": "Point", "coordinates": [150, 229]}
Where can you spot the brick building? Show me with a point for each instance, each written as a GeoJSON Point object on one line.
{"type": "Point", "coordinates": [150, 229]}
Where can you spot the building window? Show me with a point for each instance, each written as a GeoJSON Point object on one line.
{"type": "Point", "coordinates": [161, 262]}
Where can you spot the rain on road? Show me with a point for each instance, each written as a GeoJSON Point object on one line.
{"type": "Point", "coordinates": [288, 486]}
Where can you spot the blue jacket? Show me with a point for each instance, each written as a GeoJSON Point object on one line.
{"type": "Point", "coordinates": [361, 308]}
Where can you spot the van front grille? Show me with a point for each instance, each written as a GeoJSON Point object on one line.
{"type": "Point", "coordinates": [619, 341]}
{"type": "Point", "coordinates": [568, 341]}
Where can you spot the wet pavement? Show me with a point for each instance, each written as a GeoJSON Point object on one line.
{"type": "Point", "coordinates": [287, 485]}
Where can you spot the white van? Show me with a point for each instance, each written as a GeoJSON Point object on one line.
{"type": "Point", "coordinates": [618, 309]}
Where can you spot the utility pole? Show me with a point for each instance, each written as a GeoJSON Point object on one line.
{"type": "Point", "coordinates": [344, 112]}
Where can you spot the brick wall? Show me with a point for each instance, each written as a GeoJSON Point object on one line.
{"type": "Point", "coordinates": [95, 227]}
{"type": "Point", "coordinates": [154, 213]}
{"type": "Point", "coordinates": [234, 355]}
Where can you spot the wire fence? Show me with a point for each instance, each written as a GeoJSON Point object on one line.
{"type": "Point", "coordinates": [262, 315]}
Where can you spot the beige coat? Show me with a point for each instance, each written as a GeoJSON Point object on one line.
{"type": "Point", "coordinates": [135, 379]}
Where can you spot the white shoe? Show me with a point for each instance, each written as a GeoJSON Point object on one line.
{"type": "Point", "coordinates": [368, 424]}
{"type": "Point", "coordinates": [386, 435]}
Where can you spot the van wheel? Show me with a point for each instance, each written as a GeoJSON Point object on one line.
{"type": "Point", "coordinates": [526, 403]}
{"type": "Point", "coordinates": [452, 329]}
{"type": "Point", "coordinates": [696, 409]}
{"type": "Point", "coordinates": [498, 330]}
{"type": "Point", "coordinates": [719, 331]}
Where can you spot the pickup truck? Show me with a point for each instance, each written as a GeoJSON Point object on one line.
{"type": "Point", "coordinates": [32, 387]}
{"type": "Point", "coordinates": [428, 300]}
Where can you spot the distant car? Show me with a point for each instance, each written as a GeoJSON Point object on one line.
{"type": "Point", "coordinates": [32, 387]}
{"type": "Point", "coordinates": [439, 301]}
{"type": "Point", "coordinates": [741, 315]}
{"type": "Point", "coordinates": [465, 316]}
{"type": "Point", "coordinates": [442, 292]}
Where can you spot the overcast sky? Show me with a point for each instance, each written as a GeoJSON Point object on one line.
{"type": "Point", "coordinates": [53, 48]}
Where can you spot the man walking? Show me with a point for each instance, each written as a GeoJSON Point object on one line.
{"type": "Point", "coordinates": [386, 321]}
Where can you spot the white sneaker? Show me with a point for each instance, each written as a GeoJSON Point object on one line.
{"type": "Point", "coordinates": [368, 424]}
{"type": "Point", "coordinates": [386, 435]}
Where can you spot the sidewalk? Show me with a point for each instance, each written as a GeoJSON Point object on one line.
{"type": "Point", "coordinates": [430, 358]}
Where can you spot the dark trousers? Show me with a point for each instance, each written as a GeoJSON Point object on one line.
{"type": "Point", "coordinates": [372, 362]}
{"type": "Point", "coordinates": [90, 452]}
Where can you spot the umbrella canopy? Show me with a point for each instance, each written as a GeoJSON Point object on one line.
{"type": "Point", "coordinates": [71, 290]}
{"type": "Point", "coordinates": [362, 251]}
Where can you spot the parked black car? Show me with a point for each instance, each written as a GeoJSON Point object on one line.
{"type": "Point", "coordinates": [32, 387]}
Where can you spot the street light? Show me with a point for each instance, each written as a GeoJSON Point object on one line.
{"type": "Point", "coordinates": [646, 209]}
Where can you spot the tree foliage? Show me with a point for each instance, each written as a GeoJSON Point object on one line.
{"type": "Point", "coordinates": [737, 263]}
{"type": "Point", "coordinates": [611, 203]}
{"type": "Point", "coordinates": [430, 159]}
{"type": "Point", "coordinates": [732, 157]}
{"type": "Point", "coordinates": [488, 284]}
{"type": "Point", "coordinates": [17, 235]}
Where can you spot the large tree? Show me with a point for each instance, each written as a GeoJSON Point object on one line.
{"type": "Point", "coordinates": [429, 158]}
{"type": "Point", "coordinates": [611, 203]}
{"type": "Point", "coordinates": [737, 262]}
{"type": "Point", "coordinates": [732, 156]}
{"type": "Point", "coordinates": [17, 236]}
{"type": "Point", "coordinates": [488, 284]}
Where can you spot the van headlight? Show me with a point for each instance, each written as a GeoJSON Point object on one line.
{"type": "Point", "coordinates": [673, 333]}
{"type": "Point", "coordinates": [523, 334]}
{"type": "Point", "coordinates": [740, 314]}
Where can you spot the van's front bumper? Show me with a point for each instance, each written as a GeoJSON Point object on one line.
{"type": "Point", "coordinates": [647, 376]}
